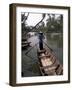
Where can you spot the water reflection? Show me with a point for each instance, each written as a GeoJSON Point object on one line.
{"type": "Point", "coordinates": [29, 56]}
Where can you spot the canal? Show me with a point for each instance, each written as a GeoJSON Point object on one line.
{"type": "Point", "coordinates": [29, 56]}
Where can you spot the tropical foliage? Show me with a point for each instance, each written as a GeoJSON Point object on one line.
{"type": "Point", "coordinates": [53, 22]}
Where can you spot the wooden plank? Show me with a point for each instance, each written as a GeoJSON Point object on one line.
{"type": "Point", "coordinates": [49, 63]}
{"type": "Point", "coordinates": [45, 67]}
{"type": "Point", "coordinates": [51, 72]}
{"type": "Point", "coordinates": [26, 42]}
{"type": "Point", "coordinates": [44, 56]}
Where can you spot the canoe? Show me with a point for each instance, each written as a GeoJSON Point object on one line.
{"type": "Point", "coordinates": [49, 63]}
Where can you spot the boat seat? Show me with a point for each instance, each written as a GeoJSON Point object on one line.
{"type": "Point", "coordinates": [44, 56]}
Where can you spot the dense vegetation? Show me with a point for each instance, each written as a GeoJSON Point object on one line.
{"type": "Point", "coordinates": [53, 24]}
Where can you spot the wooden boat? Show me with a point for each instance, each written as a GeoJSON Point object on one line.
{"type": "Point", "coordinates": [25, 44]}
{"type": "Point", "coordinates": [48, 63]}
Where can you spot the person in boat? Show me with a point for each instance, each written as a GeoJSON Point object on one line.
{"type": "Point", "coordinates": [41, 37]}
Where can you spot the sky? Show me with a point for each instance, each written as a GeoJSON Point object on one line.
{"type": "Point", "coordinates": [33, 19]}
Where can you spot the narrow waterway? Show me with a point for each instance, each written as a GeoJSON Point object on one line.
{"type": "Point", "coordinates": [29, 56]}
